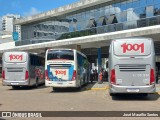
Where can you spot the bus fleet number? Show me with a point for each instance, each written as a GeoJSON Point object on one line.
{"type": "Point", "coordinates": [134, 47]}
{"type": "Point", "coordinates": [17, 57]}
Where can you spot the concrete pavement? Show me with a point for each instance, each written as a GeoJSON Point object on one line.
{"type": "Point", "coordinates": [103, 86]}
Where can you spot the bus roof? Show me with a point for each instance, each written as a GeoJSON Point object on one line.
{"type": "Point", "coordinates": [23, 52]}
{"type": "Point", "coordinates": [68, 49]}
{"type": "Point", "coordinates": [132, 38]}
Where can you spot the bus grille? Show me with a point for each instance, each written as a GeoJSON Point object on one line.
{"type": "Point", "coordinates": [129, 68]}
{"type": "Point", "coordinates": [60, 65]}
{"type": "Point", "coordinates": [14, 69]}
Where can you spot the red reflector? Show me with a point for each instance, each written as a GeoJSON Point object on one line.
{"type": "Point", "coordinates": [46, 75]}
{"type": "Point", "coordinates": [152, 77]}
{"type": "Point", "coordinates": [113, 77]}
{"type": "Point", "coordinates": [27, 75]}
{"type": "Point", "coordinates": [3, 74]}
{"type": "Point", "coordinates": [74, 75]}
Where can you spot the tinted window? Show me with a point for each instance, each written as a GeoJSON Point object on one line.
{"type": "Point", "coordinates": [60, 54]}
{"type": "Point", "coordinates": [82, 61]}
{"type": "Point", "coordinates": [36, 60]}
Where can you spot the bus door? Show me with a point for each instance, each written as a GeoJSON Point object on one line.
{"type": "Point", "coordinates": [131, 69]}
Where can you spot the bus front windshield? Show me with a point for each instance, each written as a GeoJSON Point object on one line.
{"type": "Point", "coordinates": [60, 54]}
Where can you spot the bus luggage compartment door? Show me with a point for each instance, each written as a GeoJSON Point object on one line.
{"type": "Point", "coordinates": [15, 74]}
{"type": "Point", "coordinates": [132, 75]}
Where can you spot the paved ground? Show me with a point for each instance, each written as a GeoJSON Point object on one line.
{"type": "Point", "coordinates": [93, 97]}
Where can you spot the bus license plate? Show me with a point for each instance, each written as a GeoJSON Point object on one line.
{"type": "Point", "coordinates": [14, 83]}
{"type": "Point", "coordinates": [132, 90]}
{"type": "Point", "coordinates": [60, 83]}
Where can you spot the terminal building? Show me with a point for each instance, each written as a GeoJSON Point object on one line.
{"type": "Point", "coordinates": [89, 25]}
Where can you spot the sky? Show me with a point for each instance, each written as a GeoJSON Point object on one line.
{"type": "Point", "coordinates": [30, 7]}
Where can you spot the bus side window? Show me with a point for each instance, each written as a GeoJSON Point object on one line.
{"type": "Point", "coordinates": [37, 61]}
{"type": "Point", "coordinates": [79, 58]}
{"type": "Point", "coordinates": [31, 59]}
{"type": "Point", "coordinates": [34, 60]}
{"type": "Point", "coordinates": [86, 63]}
{"type": "Point", "coordinates": [42, 61]}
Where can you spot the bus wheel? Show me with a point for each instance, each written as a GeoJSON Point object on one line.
{"type": "Point", "coordinates": [144, 94]}
{"type": "Point", "coordinates": [15, 87]}
{"type": "Point", "coordinates": [80, 87]}
{"type": "Point", "coordinates": [36, 85]}
{"type": "Point", "coordinates": [112, 94]}
{"type": "Point", "coordinates": [55, 89]}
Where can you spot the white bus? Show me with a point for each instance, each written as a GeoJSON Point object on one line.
{"type": "Point", "coordinates": [66, 68]}
{"type": "Point", "coordinates": [22, 69]}
{"type": "Point", "coordinates": [132, 66]}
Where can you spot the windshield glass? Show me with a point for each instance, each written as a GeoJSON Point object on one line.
{"type": "Point", "coordinates": [60, 54]}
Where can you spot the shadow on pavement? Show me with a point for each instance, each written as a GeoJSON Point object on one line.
{"type": "Point", "coordinates": [83, 88]}
{"type": "Point", "coordinates": [136, 97]}
{"type": "Point", "coordinates": [2, 119]}
{"type": "Point", "coordinates": [29, 87]}
{"type": "Point", "coordinates": [90, 85]}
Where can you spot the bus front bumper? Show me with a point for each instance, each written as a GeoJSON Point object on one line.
{"type": "Point", "coordinates": [132, 89]}
{"type": "Point", "coordinates": [15, 83]}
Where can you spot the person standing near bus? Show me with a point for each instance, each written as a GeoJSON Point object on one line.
{"type": "Point", "coordinates": [100, 77]}
{"type": "Point", "coordinates": [95, 75]}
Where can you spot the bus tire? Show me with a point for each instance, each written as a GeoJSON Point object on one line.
{"type": "Point", "coordinates": [55, 89]}
{"type": "Point", "coordinates": [36, 85]}
{"type": "Point", "coordinates": [15, 87]}
{"type": "Point", "coordinates": [144, 94]}
{"type": "Point", "coordinates": [112, 94]}
{"type": "Point", "coordinates": [80, 86]}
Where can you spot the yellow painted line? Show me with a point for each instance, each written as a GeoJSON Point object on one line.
{"type": "Point", "coordinates": [158, 92]}
{"type": "Point", "coordinates": [105, 88]}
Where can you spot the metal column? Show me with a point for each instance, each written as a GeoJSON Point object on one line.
{"type": "Point", "coordinates": [99, 61]}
